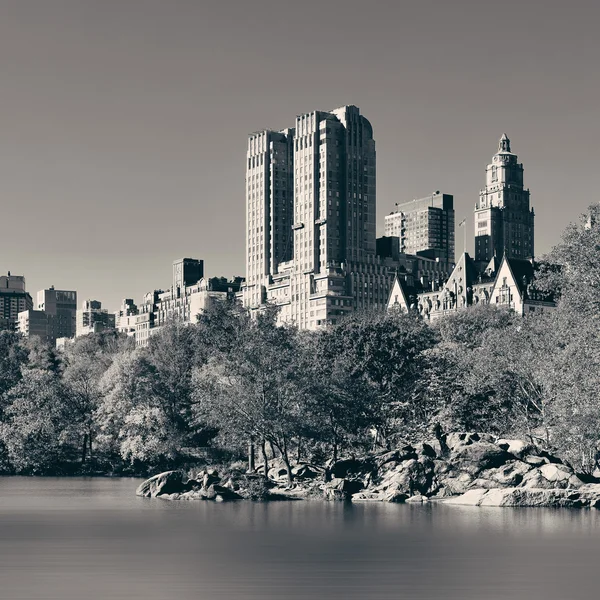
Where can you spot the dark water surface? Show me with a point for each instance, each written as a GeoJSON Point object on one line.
{"type": "Point", "coordinates": [79, 539]}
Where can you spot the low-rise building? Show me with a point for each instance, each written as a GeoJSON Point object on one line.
{"type": "Point", "coordinates": [508, 283]}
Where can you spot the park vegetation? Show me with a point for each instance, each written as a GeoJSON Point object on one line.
{"type": "Point", "coordinates": [206, 391]}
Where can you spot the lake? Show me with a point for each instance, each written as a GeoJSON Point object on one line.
{"type": "Point", "coordinates": [82, 539]}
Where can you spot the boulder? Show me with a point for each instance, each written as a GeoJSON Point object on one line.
{"type": "Point", "coordinates": [367, 497]}
{"type": "Point", "coordinates": [536, 461]}
{"type": "Point", "coordinates": [341, 489]}
{"type": "Point", "coordinates": [278, 473]}
{"type": "Point", "coordinates": [306, 471]}
{"type": "Point", "coordinates": [417, 499]}
{"type": "Point", "coordinates": [469, 498]}
{"type": "Point", "coordinates": [457, 485]}
{"type": "Point", "coordinates": [424, 449]}
{"type": "Point", "coordinates": [352, 466]}
{"type": "Point", "coordinates": [518, 448]}
{"type": "Point", "coordinates": [522, 497]}
{"type": "Point", "coordinates": [479, 456]}
{"type": "Point", "coordinates": [509, 475]}
{"type": "Point", "coordinates": [409, 477]}
{"type": "Point", "coordinates": [169, 482]}
{"type": "Point", "coordinates": [220, 493]}
{"type": "Point", "coordinates": [456, 439]}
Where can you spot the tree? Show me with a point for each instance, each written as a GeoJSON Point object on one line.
{"type": "Point", "coordinates": [131, 417]}
{"type": "Point", "coordinates": [253, 392]}
{"type": "Point", "coordinates": [382, 355]}
{"type": "Point", "coordinates": [85, 362]}
{"type": "Point", "coordinates": [35, 431]}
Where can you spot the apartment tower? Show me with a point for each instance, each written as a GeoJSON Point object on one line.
{"type": "Point", "coordinates": [310, 219]}
{"type": "Point", "coordinates": [503, 217]}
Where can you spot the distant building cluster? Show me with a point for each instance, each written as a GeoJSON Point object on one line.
{"type": "Point", "coordinates": [312, 250]}
{"type": "Point", "coordinates": [311, 245]}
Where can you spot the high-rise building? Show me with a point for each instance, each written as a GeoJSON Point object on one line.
{"type": "Point", "coordinates": [310, 219]}
{"type": "Point", "coordinates": [13, 300]}
{"type": "Point", "coordinates": [425, 226]}
{"type": "Point", "coordinates": [503, 217]}
{"type": "Point", "coordinates": [61, 306]}
{"type": "Point", "coordinates": [54, 316]}
{"type": "Point", "coordinates": [92, 318]}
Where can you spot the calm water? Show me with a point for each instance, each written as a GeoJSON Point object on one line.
{"type": "Point", "coordinates": [81, 539]}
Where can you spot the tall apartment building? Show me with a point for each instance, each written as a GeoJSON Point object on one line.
{"type": "Point", "coordinates": [425, 226]}
{"type": "Point", "coordinates": [310, 219]}
{"type": "Point", "coordinates": [13, 300]}
{"type": "Point", "coordinates": [503, 218]}
{"type": "Point", "coordinates": [92, 318]}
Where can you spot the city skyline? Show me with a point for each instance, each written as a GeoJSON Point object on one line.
{"type": "Point", "coordinates": [123, 161]}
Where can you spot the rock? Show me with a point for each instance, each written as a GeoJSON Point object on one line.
{"type": "Point", "coordinates": [341, 489]}
{"type": "Point", "coordinates": [220, 493]}
{"type": "Point", "coordinates": [424, 449]}
{"type": "Point", "coordinates": [536, 461]}
{"type": "Point", "coordinates": [367, 497]}
{"type": "Point", "coordinates": [509, 475]}
{"type": "Point", "coordinates": [522, 497]}
{"type": "Point", "coordinates": [352, 466]}
{"type": "Point", "coordinates": [169, 482]}
{"type": "Point", "coordinates": [486, 484]}
{"type": "Point", "coordinates": [456, 440]}
{"type": "Point", "coordinates": [306, 471]}
{"type": "Point", "coordinates": [457, 485]}
{"type": "Point", "coordinates": [518, 448]}
{"type": "Point", "coordinates": [418, 499]}
{"type": "Point", "coordinates": [535, 480]}
{"type": "Point", "coordinates": [470, 498]}
{"type": "Point", "coordinates": [479, 456]}
{"type": "Point", "coordinates": [278, 473]}
{"type": "Point", "coordinates": [409, 477]}
{"type": "Point", "coordinates": [396, 497]}
{"type": "Point", "coordinates": [210, 477]}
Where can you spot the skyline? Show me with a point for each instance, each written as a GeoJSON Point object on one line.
{"type": "Point", "coordinates": [136, 116]}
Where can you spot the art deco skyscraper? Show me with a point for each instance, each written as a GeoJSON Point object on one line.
{"type": "Point", "coordinates": [503, 218]}
{"type": "Point", "coordinates": [310, 219]}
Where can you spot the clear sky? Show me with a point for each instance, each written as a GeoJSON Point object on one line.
{"type": "Point", "coordinates": [123, 123]}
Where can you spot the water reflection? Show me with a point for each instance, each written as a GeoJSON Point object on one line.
{"type": "Point", "coordinates": [76, 538]}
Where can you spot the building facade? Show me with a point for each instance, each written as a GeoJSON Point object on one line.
{"type": "Point", "coordinates": [13, 300]}
{"type": "Point", "coordinates": [54, 316]}
{"type": "Point", "coordinates": [503, 218]}
{"type": "Point", "coordinates": [189, 295]}
{"type": "Point", "coordinates": [424, 226]}
{"type": "Point", "coordinates": [509, 283]}
{"type": "Point", "coordinates": [310, 220]}
{"type": "Point", "coordinates": [92, 318]}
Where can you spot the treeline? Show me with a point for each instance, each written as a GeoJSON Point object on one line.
{"type": "Point", "coordinates": [375, 380]}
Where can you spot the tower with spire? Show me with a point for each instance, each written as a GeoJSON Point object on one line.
{"type": "Point", "coordinates": [503, 217]}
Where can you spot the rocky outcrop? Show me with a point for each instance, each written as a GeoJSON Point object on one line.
{"type": "Point", "coordinates": [584, 497]}
{"type": "Point", "coordinates": [458, 468]}
{"type": "Point", "coordinates": [171, 486]}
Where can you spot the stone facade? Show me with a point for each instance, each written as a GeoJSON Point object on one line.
{"type": "Point", "coordinates": [503, 218]}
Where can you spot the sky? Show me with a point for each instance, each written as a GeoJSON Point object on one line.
{"type": "Point", "coordinates": [124, 123]}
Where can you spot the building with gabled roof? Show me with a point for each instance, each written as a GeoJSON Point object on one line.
{"type": "Point", "coordinates": [511, 284]}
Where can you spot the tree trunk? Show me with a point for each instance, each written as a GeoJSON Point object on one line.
{"type": "Point", "coordinates": [91, 447]}
{"type": "Point", "coordinates": [84, 448]}
{"type": "Point", "coordinates": [251, 465]}
{"type": "Point", "coordinates": [286, 462]}
{"type": "Point", "coordinates": [263, 447]}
